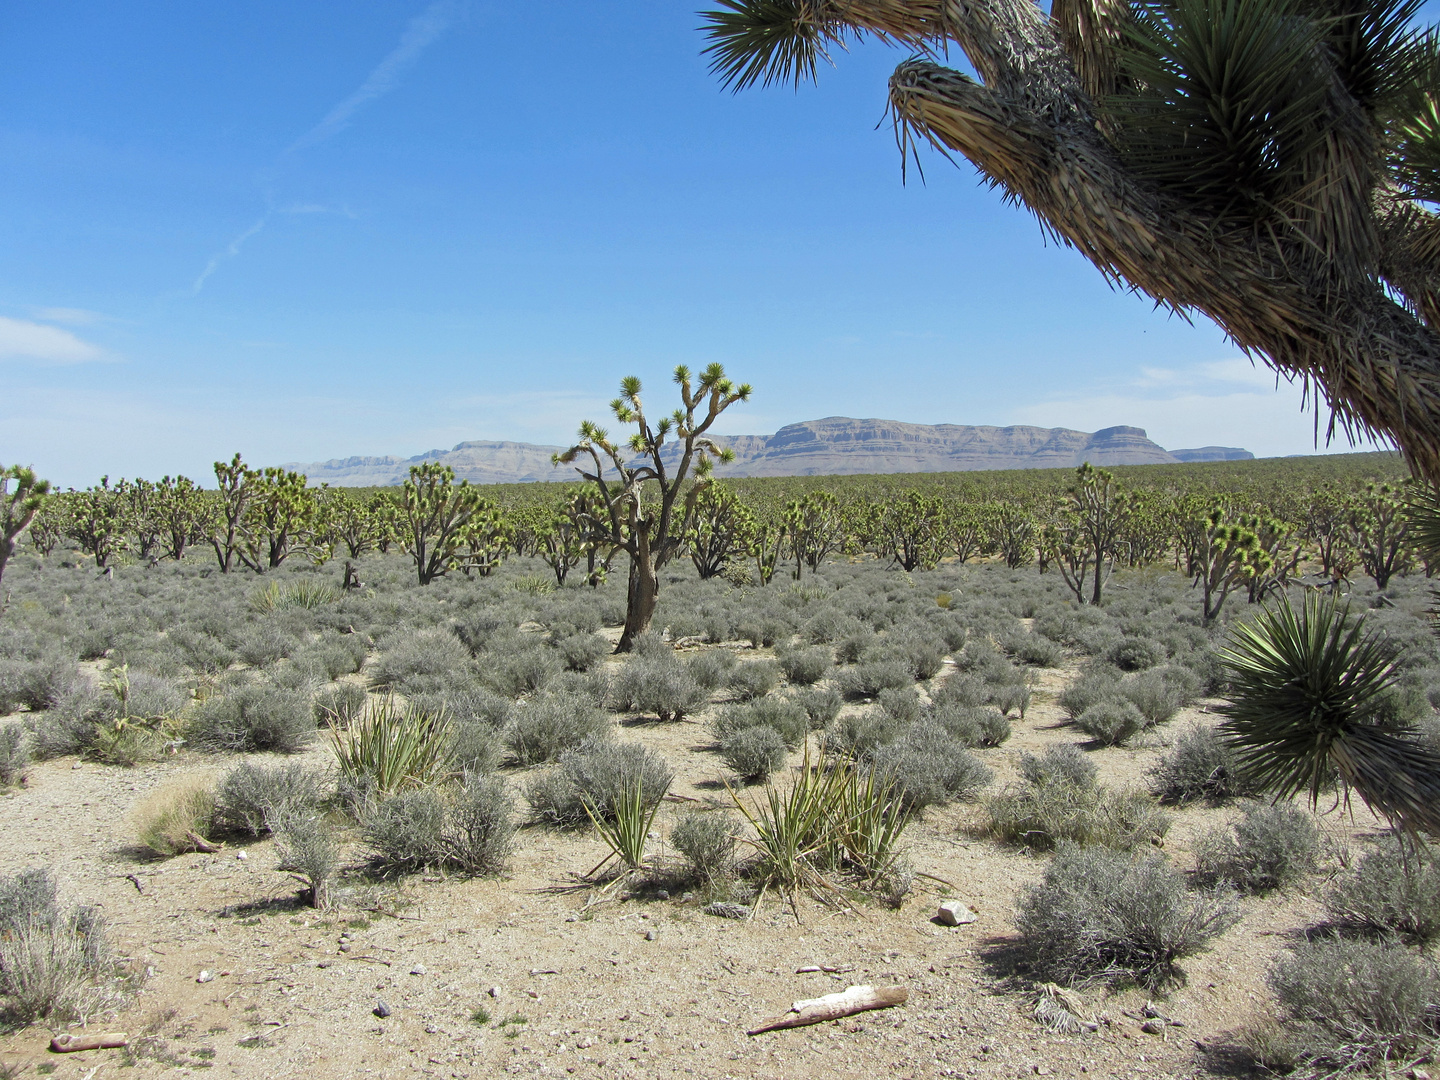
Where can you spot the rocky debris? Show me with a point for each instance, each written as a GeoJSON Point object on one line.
{"type": "Point", "coordinates": [954, 913]}
{"type": "Point", "coordinates": [727, 909]}
{"type": "Point", "coordinates": [381, 1009]}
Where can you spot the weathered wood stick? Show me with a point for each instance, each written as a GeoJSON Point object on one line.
{"type": "Point", "coordinates": [855, 999]}
{"type": "Point", "coordinates": [201, 844]}
{"type": "Point", "coordinates": [68, 1044]}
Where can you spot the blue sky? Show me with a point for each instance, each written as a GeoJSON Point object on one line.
{"type": "Point", "coordinates": [305, 230]}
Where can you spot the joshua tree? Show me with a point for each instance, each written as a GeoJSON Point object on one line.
{"type": "Point", "coordinates": [18, 507]}
{"type": "Point", "coordinates": [652, 530]}
{"type": "Point", "coordinates": [434, 515]}
{"type": "Point", "coordinates": [1265, 162]}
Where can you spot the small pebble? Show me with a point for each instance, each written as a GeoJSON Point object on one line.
{"type": "Point", "coordinates": [418, 969]}
{"type": "Point", "coordinates": [241, 856]}
{"type": "Point", "coordinates": [494, 992]}
{"type": "Point", "coordinates": [204, 977]}
{"type": "Point", "coordinates": [345, 946]}
{"type": "Point", "coordinates": [381, 1009]}
{"type": "Point", "coordinates": [651, 935]}
{"type": "Point", "coordinates": [662, 895]}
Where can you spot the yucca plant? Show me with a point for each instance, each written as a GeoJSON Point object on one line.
{"type": "Point", "coordinates": [624, 823]}
{"type": "Point", "coordinates": [302, 594]}
{"type": "Point", "coordinates": [872, 821]}
{"type": "Point", "coordinates": [394, 747]}
{"type": "Point", "coordinates": [1304, 710]}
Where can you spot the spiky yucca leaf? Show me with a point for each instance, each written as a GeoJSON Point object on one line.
{"type": "Point", "coordinates": [1305, 691]}
{"type": "Point", "coordinates": [1423, 510]}
{"type": "Point", "coordinates": [766, 41]}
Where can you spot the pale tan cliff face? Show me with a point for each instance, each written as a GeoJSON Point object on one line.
{"type": "Point", "coordinates": [836, 445]}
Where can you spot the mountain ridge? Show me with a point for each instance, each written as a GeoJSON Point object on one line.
{"type": "Point", "coordinates": [831, 446]}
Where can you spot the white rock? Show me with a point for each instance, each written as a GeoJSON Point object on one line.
{"type": "Point", "coordinates": [954, 913]}
{"type": "Point", "coordinates": [241, 856]}
{"type": "Point", "coordinates": [204, 977]}
{"type": "Point", "coordinates": [418, 969]}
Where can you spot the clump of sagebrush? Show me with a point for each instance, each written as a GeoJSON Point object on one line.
{"type": "Point", "coordinates": [1059, 761]}
{"type": "Point", "coordinates": [177, 817]}
{"type": "Point", "coordinates": [786, 717]}
{"type": "Point", "coordinates": [341, 704]}
{"type": "Point", "coordinates": [255, 717]}
{"type": "Point", "coordinates": [902, 704]}
{"type": "Point", "coordinates": [805, 666]}
{"type": "Point", "coordinates": [598, 772]}
{"type": "Point", "coordinates": [1353, 1005]}
{"type": "Point", "coordinates": [1100, 914]}
{"type": "Point", "coordinates": [711, 668]}
{"type": "Point", "coordinates": [1156, 695]}
{"type": "Point", "coordinates": [857, 735]}
{"type": "Point", "coordinates": [546, 726]}
{"type": "Point", "coordinates": [866, 680]}
{"type": "Point", "coordinates": [307, 847]}
{"type": "Point", "coordinates": [415, 656]}
{"type": "Point", "coordinates": [1034, 649]}
{"type": "Point", "coordinates": [1202, 764]}
{"type": "Point", "coordinates": [253, 798]}
{"type": "Point", "coordinates": [821, 705]}
{"type": "Point", "coordinates": [659, 685]}
{"type": "Point", "coordinates": [1270, 847]}
{"type": "Point", "coordinates": [35, 682]}
{"type": "Point", "coordinates": [54, 963]}
{"type": "Point", "coordinates": [707, 840]}
{"type": "Point", "coordinates": [518, 664]}
{"type": "Point", "coordinates": [581, 652]}
{"type": "Point", "coordinates": [753, 753]}
{"type": "Point", "coordinates": [480, 824]}
{"type": "Point", "coordinates": [1054, 807]}
{"type": "Point", "coordinates": [1135, 653]}
{"type": "Point", "coordinates": [14, 754]}
{"type": "Point", "coordinates": [1111, 722]}
{"type": "Point", "coordinates": [1094, 684]}
{"type": "Point", "coordinates": [1393, 889]}
{"type": "Point", "coordinates": [753, 679]}
{"type": "Point", "coordinates": [927, 766]}
{"type": "Point", "coordinates": [973, 725]}
{"type": "Point", "coordinates": [404, 831]}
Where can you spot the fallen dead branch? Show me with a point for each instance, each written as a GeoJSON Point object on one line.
{"type": "Point", "coordinates": [69, 1044]}
{"type": "Point", "coordinates": [854, 999]}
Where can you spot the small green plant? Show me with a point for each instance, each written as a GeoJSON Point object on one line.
{"type": "Point", "coordinates": [306, 847]}
{"type": "Point", "coordinates": [302, 594]}
{"type": "Point", "coordinates": [625, 828]}
{"type": "Point", "coordinates": [480, 1016]}
{"type": "Point", "coordinates": [177, 817]}
{"type": "Point", "coordinates": [707, 840]}
{"type": "Point", "coordinates": [395, 747]}
{"type": "Point", "coordinates": [534, 584]}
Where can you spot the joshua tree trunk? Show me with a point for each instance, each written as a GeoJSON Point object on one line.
{"type": "Point", "coordinates": [640, 600]}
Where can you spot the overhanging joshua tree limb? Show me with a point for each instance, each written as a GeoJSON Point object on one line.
{"type": "Point", "coordinates": [1265, 162]}
{"type": "Point", "coordinates": [652, 530]}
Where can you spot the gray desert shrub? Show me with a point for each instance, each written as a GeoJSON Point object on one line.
{"type": "Point", "coordinates": [519, 665]}
{"type": "Point", "coordinates": [1135, 653]}
{"type": "Point", "coordinates": [406, 831]}
{"type": "Point", "coordinates": [711, 668]}
{"type": "Point", "coordinates": [341, 704]}
{"type": "Point", "coordinates": [477, 626]}
{"type": "Point", "coordinates": [307, 847]}
{"type": "Point", "coordinates": [903, 704]}
{"type": "Point", "coordinates": [658, 685]}
{"type": "Point", "coordinates": [1355, 1005]}
{"type": "Point", "coordinates": [920, 655]}
{"type": "Point", "coordinates": [782, 715]}
{"type": "Point", "coordinates": [547, 725]}
{"type": "Point", "coordinates": [1393, 889]}
{"type": "Point", "coordinates": [859, 734]}
{"type": "Point", "coordinates": [480, 824]}
{"type": "Point", "coordinates": [753, 753]}
{"type": "Point", "coordinates": [653, 645]}
{"type": "Point", "coordinates": [855, 646]}
{"type": "Point", "coordinates": [598, 773]}
{"type": "Point", "coordinates": [414, 656]}
{"type": "Point", "coordinates": [805, 667]}
{"type": "Point", "coordinates": [1034, 649]}
{"type": "Point", "coordinates": [707, 840]}
{"type": "Point", "coordinates": [1101, 914]}
{"type": "Point", "coordinates": [255, 717]}
{"type": "Point", "coordinates": [252, 798]}
{"type": "Point", "coordinates": [201, 652]}
{"type": "Point", "coordinates": [14, 754]}
{"type": "Point", "coordinates": [581, 652]}
{"type": "Point", "coordinates": [1112, 722]}
{"type": "Point", "coordinates": [36, 683]}
{"type": "Point", "coordinates": [1044, 814]}
{"type": "Point", "coordinates": [54, 963]}
{"type": "Point", "coordinates": [1157, 697]}
{"type": "Point", "coordinates": [962, 690]}
{"type": "Point", "coordinates": [265, 643]}
{"type": "Point", "coordinates": [1097, 683]}
{"type": "Point", "coordinates": [974, 726]}
{"type": "Point", "coordinates": [1011, 697]}
{"type": "Point", "coordinates": [475, 746]}
{"type": "Point", "coordinates": [1270, 847]}
{"type": "Point", "coordinates": [828, 625]}
{"type": "Point", "coordinates": [821, 705]}
{"type": "Point", "coordinates": [1059, 761]}
{"type": "Point", "coordinates": [477, 705]}
{"type": "Point", "coordinates": [753, 679]}
{"type": "Point", "coordinates": [866, 680]}
{"type": "Point", "coordinates": [930, 767]}
{"type": "Point", "coordinates": [1201, 764]}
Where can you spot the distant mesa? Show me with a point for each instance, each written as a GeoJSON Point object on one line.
{"type": "Point", "coordinates": [836, 445]}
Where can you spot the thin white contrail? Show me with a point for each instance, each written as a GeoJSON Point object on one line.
{"type": "Point", "coordinates": [420, 33]}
